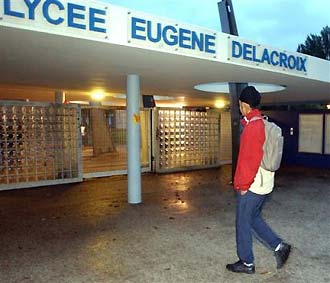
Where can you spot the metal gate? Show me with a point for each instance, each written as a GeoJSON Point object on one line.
{"type": "Point", "coordinates": [186, 139]}
{"type": "Point", "coordinates": [104, 148]}
{"type": "Point", "coordinates": [40, 144]}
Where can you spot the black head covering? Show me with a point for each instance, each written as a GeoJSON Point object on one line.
{"type": "Point", "coordinates": [250, 96]}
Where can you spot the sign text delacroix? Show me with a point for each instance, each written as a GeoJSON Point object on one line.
{"type": "Point", "coordinates": [245, 52]}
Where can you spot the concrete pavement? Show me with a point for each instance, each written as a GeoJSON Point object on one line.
{"type": "Point", "coordinates": [182, 232]}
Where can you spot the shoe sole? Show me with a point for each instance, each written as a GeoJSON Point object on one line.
{"type": "Point", "coordinates": [246, 272]}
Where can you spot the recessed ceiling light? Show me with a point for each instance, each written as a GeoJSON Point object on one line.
{"type": "Point", "coordinates": [220, 104]}
{"type": "Point", "coordinates": [119, 95]}
{"type": "Point", "coordinates": [163, 97]}
{"type": "Point", "coordinates": [79, 102]}
{"type": "Point", "coordinates": [98, 95]}
{"type": "Point", "coordinates": [223, 87]}
{"type": "Point", "coordinates": [156, 97]}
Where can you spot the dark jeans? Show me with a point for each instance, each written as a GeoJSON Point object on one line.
{"type": "Point", "coordinates": [248, 219]}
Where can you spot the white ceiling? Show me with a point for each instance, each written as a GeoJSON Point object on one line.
{"type": "Point", "coordinates": [33, 65]}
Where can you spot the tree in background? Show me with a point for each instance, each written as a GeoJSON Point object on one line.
{"type": "Point", "coordinates": [317, 45]}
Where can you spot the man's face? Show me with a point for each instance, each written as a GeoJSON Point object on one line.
{"type": "Point", "coordinates": [244, 108]}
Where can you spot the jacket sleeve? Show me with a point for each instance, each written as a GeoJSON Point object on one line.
{"type": "Point", "coordinates": [250, 155]}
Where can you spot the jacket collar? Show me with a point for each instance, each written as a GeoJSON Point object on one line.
{"type": "Point", "coordinates": [248, 117]}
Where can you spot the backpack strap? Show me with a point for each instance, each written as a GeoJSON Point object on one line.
{"type": "Point", "coordinates": [255, 118]}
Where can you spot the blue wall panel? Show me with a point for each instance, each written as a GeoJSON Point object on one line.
{"type": "Point", "coordinates": [290, 119]}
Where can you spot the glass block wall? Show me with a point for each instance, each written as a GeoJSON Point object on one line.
{"type": "Point", "coordinates": [38, 143]}
{"type": "Point", "coordinates": [187, 139]}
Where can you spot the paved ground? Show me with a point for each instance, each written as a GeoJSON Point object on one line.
{"type": "Point", "coordinates": [183, 231]}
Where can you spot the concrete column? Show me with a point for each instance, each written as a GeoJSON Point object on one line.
{"type": "Point", "coordinates": [59, 96]}
{"type": "Point", "coordinates": [133, 139]}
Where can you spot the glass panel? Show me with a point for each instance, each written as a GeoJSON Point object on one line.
{"type": "Point", "coordinates": [226, 139]}
{"type": "Point", "coordinates": [188, 138]}
{"type": "Point", "coordinates": [327, 134]}
{"type": "Point", "coordinates": [38, 143]}
{"type": "Point", "coordinates": [310, 133]}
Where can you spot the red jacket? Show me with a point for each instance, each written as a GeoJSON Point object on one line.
{"type": "Point", "coordinates": [250, 151]}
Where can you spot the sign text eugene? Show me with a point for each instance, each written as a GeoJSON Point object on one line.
{"type": "Point", "coordinates": [149, 31]}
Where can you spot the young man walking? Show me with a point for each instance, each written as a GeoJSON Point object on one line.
{"type": "Point", "coordinates": [253, 184]}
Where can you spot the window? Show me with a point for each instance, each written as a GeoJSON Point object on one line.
{"type": "Point", "coordinates": [310, 133]}
{"type": "Point", "coordinates": [327, 135]}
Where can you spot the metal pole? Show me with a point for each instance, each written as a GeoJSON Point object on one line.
{"type": "Point", "coordinates": [227, 17]}
{"type": "Point", "coordinates": [228, 25]}
{"type": "Point", "coordinates": [133, 139]}
{"type": "Point", "coordinates": [235, 90]}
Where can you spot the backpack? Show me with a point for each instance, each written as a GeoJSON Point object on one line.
{"type": "Point", "coordinates": [273, 146]}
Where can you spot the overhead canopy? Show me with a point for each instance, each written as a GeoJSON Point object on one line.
{"type": "Point", "coordinates": [93, 46]}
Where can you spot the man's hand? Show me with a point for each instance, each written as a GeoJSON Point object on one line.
{"type": "Point", "coordinates": [243, 193]}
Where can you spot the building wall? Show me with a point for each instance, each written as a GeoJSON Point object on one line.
{"type": "Point", "coordinates": [289, 122]}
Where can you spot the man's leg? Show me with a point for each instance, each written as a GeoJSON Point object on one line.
{"type": "Point", "coordinates": [243, 237]}
{"type": "Point", "coordinates": [244, 212]}
{"type": "Point", "coordinates": [264, 232]}
{"type": "Point", "coordinates": [268, 237]}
